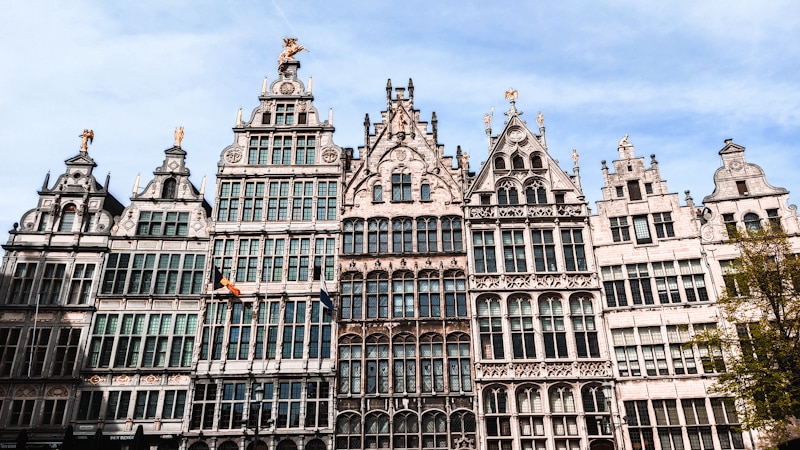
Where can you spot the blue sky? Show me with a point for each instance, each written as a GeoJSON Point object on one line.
{"type": "Point", "coordinates": [678, 76]}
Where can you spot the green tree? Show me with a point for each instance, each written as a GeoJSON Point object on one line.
{"type": "Point", "coordinates": [762, 311]}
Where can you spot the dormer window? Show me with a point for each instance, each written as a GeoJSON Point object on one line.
{"type": "Point", "coordinates": [518, 163]}
{"type": "Point", "coordinates": [507, 196]}
{"type": "Point", "coordinates": [401, 187]}
{"type": "Point", "coordinates": [741, 186]}
{"type": "Point", "coordinates": [266, 118]}
{"type": "Point", "coordinates": [68, 218]}
{"type": "Point", "coordinates": [536, 162]}
{"type": "Point", "coordinates": [169, 189]}
{"type": "Point", "coordinates": [284, 114]}
{"type": "Point", "coordinates": [634, 192]}
{"type": "Point", "coordinates": [499, 163]}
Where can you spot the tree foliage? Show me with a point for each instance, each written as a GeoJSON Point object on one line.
{"type": "Point", "coordinates": [760, 331]}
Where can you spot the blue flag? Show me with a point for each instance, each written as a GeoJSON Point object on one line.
{"type": "Point", "coordinates": [324, 297]}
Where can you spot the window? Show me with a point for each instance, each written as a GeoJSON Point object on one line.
{"type": "Point", "coordinates": [774, 219]}
{"type": "Point", "coordinates": [81, 284]}
{"type": "Point", "coordinates": [728, 426]}
{"type": "Point", "coordinates": [583, 325]}
{"type": "Point", "coordinates": [317, 393]}
{"type": "Point", "coordinates": [620, 231]}
{"type": "Point", "coordinates": [299, 260]}
{"type": "Point", "coordinates": [694, 285]}
{"type": "Point", "coordinates": [614, 286]}
{"type": "Point", "coordinates": [228, 209]}
{"type": "Point", "coordinates": [348, 432]}
{"type": "Point", "coordinates": [169, 189]}
{"type": "Point", "coordinates": [544, 250]}
{"type": "Point", "coordinates": [377, 193]}
{"type": "Point", "coordinates": [499, 163]}
{"type": "Point", "coordinates": [118, 405]}
{"type": "Point", "coordinates": [752, 222]}
{"type": "Point", "coordinates": [595, 401]}
{"type": "Point", "coordinates": [9, 339]}
{"type": "Point", "coordinates": [711, 355]}
{"type": "Point", "coordinates": [289, 400]}
{"type": "Point", "coordinates": [253, 209]}
{"type": "Point", "coordinates": [352, 296]}
{"type": "Point", "coordinates": [434, 428]}
{"type": "Point", "coordinates": [554, 333]}
{"type": "Point", "coordinates": [663, 225]}
{"type": "Point", "coordinates": [640, 431]}
{"type": "Point", "coordinates": [272, 261]}
{"type": "Point", "coordinates": [458, 361]}
{"type": "Point", "coordinates": [696, 413]}
{"type": "Point", "coordinates": [517, 162]}
{"type": "Point", "coordinates": [259, 147]}
{"type": "Point", "coordinates": [349, 365]}
{"type": "Point", "coordinates": [655, 358]}
{"type": "Point", "coordinates": [634, 191]}
{"type": "Point", "coordinates": [562, 407]}
{"type": "Point", "coordinates": [574, 253]}
{"type": "Point", "coordinates": [401, 187]}
{"type": "Point", "coordinates": [377, 360]}
{"type": "Point", "coordinates": [353, 239]}
{"type": "Point", "coordinates": [735, 284]}
{"type": "Point", "coordinates": [66, 352]}
{"type": "Point", "coordinates": [507, 195]}
{"type": "Point", "coordinates": [670, 434]}
{"type": "Point", "coordinates": [326, 200]}
{"type": "Point", "coordinates": [284, 114]}
{"type": "Point", "coordinates": [426, 234]}
{"type": "Point", "coordinates": [282, 150]}
{"type": "Point", "coordinates": [536, 161]}
{"type": "Point", "coordinates": [639, 281]}
{"type": "Point", "coordinates": [521, 318]}
{"type": "Point", "coordinates": [625, 351]}
{"type": "Point", "coordinates": [305, 151]}
{"type": "Point", "coordinates": [619, 191]}
{"type": "Point", "coordinates": [376, 430]}
{"type": "Point", "coordinates": [302, 118]}
{"type": "Point", "coordinates": [294, 319]}
{"type": "Point", "coordinates": [648, 188]}
{"type": "Point", "coordinates": [278, 201]}
{"type": "Point", "coordinates": [682, 354]}
{"type": "Point", "coordinates": [642, 230]}
{"type": "Point", "coordinates": [324, 256]}
{"type": "Point", "coordinates": [451, 234]}
{"type": "Point", "coordinates": [514, 251]}
{"type": "Point", "coordinates": [261, 411]}
{"type": "Point", "coordinates": [455, 297]}
{"type": "Point", "coordinates": [266, 342]}
{"type": "Point", "coordinates": [44, 221]}
{"type": "Point", "coordinates": [425, 192]}
{"type": "Point", "coordinates": [239, 329]}
{"type": "Point", "coordinates": [174, 404]}
{"type": "Point", "coordinates": [741, 186]}
{"type": "Point", "coordinates": [536, 193]}
{"type": "Point", "coordinates": [404, 359]}
{"type": "Point", "coordinates": [530, 410]}
{"type": "Point", "coordinates": [484, 251]}
{"type": "Point", "coordinates": [205, 396]}
{"type": "Point", "coordinates": [497, 419]}
{"type": "Point", "coordinates": [247, 260]}
{"type": "Point", "coordinates": [89, 405]}
{"type": "Point", "coordinates": [213, 331]}
{"type": "Point", "coordinates": [402, 235]}
{"type": "Point", "coordinates": [403, 295]}
{"type": "Point", "coordinates": [148, 273]}
{"type": "Point", "coordinates": [22, 283]}
{"type": "Point", "coordinates": [666, 282]}
{"type": "Point", "coordinates": [302, 200]}
{"type": "Point", "coordinates": [429, 296]}
{"type": "Point", "coordinates": [68, 218]}
{"type": "Point", "coordinates": [145, 405]}
{"type": "Point", "coordinates": [431, 352]}
{"type": "Point", "coordinates": [730, 224]}
{"type": "Point", "coordinates": [38, 343]}
{"type": "Point", "coordinates": [50, 284]}
{"type": "Point", "coordinates": [490, 329]}
{"type": "Point", "coordinates": [377, 296]}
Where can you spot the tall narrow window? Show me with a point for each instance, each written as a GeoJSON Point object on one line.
{"type": "Point", "coordinates": [402, 235]}
{"type": "Point", "coordinates": [583, 325]}
{"type": "Point", "coordinates": [378, 235]}
{"type": "Point", "coordinates": [353, 236]}
{"type": "Point", "coordinates": [634, 192]}
{"type": "Point", "coordinates": [404, 371]}
{"type": "Point", "coordinates": [431, 352]}
{"type": "Point", "coordinates": [377, 359]}
{"type": "Point", "coordinates": [68, 218]}
{"type": "Point", "coordinates": [620, 231]}
{"type": "Point", "coordinates": [426, 234]}
{"type": "Point", "coordinates": [401, 187]}
{"type": "Point", "coordinates": [326, 200]}
{"type": "Point", "coordinates": [352, 296]}
{"type": "Point", "coordinates": [451, 234]}
{"type": "Point", "coordinates": [350, 355]}
{"type": "Point", "coordinates": [639, 280]}
{"type": "Point", "coordinates": [544, 250]}
{"type": "Point", "coordinates": [663, 224]}
{"type": "Point", "coordinates": [730, 224]}
{"type": "Point", "coordinates": [377, 296]}
{"type": "Point", "coordinates": [642, 230]}
{"type": "Point", "coordinates": [614, 286]}
{"type": "Point", "coordinates": [517, 162]}
{"type": "Point", "coordinates": [574, 252]}
{"type": "Point", "coordinates": [520, 316]}
{"type": "Point", "coordinates": [514, 251]}
{"type": "Point", "coordinates": [741, 186]}
{"type": "Point", "coordinates": [305, 151]}
{"type": "Point", "coordinates": [752, 222]}
{"type": "Point", "coordinates": [377, 193]}
{"type": "Point", "coordinates": [429, 295]}
{"type": "Point", "coordinates": [484, 251]}
{"type": "Point", "coordinates": [491, 329]}
{"type": "Point", "coordinates": [170, 189]}
{"type": "Point", "coordinates": [403, 295]}
{"type": "Point", "coordinates": [282, 150]}
{"type": "Point", "coordinates": [551, 315]}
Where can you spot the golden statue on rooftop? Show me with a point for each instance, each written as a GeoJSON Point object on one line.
{"type": "Point", "coordinates": [178, 136]}
{"type": "Point", "coordinates": [512, 94]}
{"type": "Point", "coordinates": [290, 48]}
{"type": "Point", "coordinates": [86, 138]}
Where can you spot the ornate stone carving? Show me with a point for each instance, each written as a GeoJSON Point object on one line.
{"type": "Point", "coordinates": [494, 370]}
{"type": "Point", "coordinates": [330, 155]}
{"type": "Point", "coordinates": [122, 379]}
{"type": "Point", "coordinates": [58, 390]}
{"type": "Point", "coordinates": [286, 88]}
{"type": "Point", "coordinates": [151, 379]}
{"type": "Point", "coordinates": [26, 391]}
{"type": "Point", "coordinates": [95, 379]}
{"type": "Point", "coordinates": [233, 155]}
{"type": "Point", "coordinates": [178, 379]}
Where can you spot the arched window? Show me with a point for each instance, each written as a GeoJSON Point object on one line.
{"type": "Point", "coordinates": [752, 222]}
{"type": "Point", "coordinates": [402, 235]}
{"type": "Point", "coordinates": [498, 419]}
{"type": "Point", "coordinates": [406, 430]}
{"type": "Point", "coordinates": [535, 193]}
{"type": "Point", "coordinates": [377, 193]}
{"type": "Point", "coordinates": [517, 162]}
{"type": "Point", "coordinates": [170, 188]}
{"type": "Point", "coordinates": [429, 295]}
{"type": "Point", "coordinates": [286, 444]}
{"type": "Point", "coordinates": [228, 445]}
{"type": "Point", "coordinates": [403, 294]}
{"type": "Point", "coordinates": [350, 365]}
{"type": "Point", "coordinates": [404, 351]}
{"type": "Point", "coordinates": [316, 444]}
{"type": "Point", "coordinates": [348, 432]}
{"type": "Point", "coordinates": [521, 317]}
{"type": "Point", "coordinates": [562, 409]}
{"type": "Point", "coordinates": [458, 362]}
{"type": "Point", "coordinates": [536, 161]}
{"type": "Point", "coordinates": [507, 196]}
{"type": "Point", "coordinates": [455, 294]}
{"type": "Point", "coordinates": [583, 326]}
{"type": "Point", "coordinates": [68, 218]}
{"type": "Point", "coordinates": [462, 425]}
{"type": "Point", "coordinates": [431, 352]}
{"type": "Point", "coordinates": [451, 234]}
{"type": "Point", "coordinates": [352, 296]}
{"type": "Point", "coordinates": [551, 314]}
{"type": "Point", "coordinates": [376, 430]}
{"type": "Point", "coordinates": [531, 414]}
{"type": "Point", "coordinates": [199, 445]}
{"type": "Point", "coordinates": [426, 234]}
{"type": "Point", "coordinates": [377, 360]}
{"type": "Point", "coordinates": [377, 295]}
{"type": "Point", "coordinates": [353, 236]}
{"type": "Point", "coordinates": [434, 430]}
{"type": "Point", "coordinates": [500, 163]}
{"type": "Point", "coordinates": [595, 401]}
{"type": "Point", "coordinates": [378, 235]}
{"type": "Point", "coordinates": [491, 328]}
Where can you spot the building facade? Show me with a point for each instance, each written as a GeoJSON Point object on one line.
{"type": "Point", "coordinates": [486, 310]}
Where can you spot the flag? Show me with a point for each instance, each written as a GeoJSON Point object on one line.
{"type": "Point", "coordinates": [324, 297]}
{"type": "Point", "coordinates": [220, 281]}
